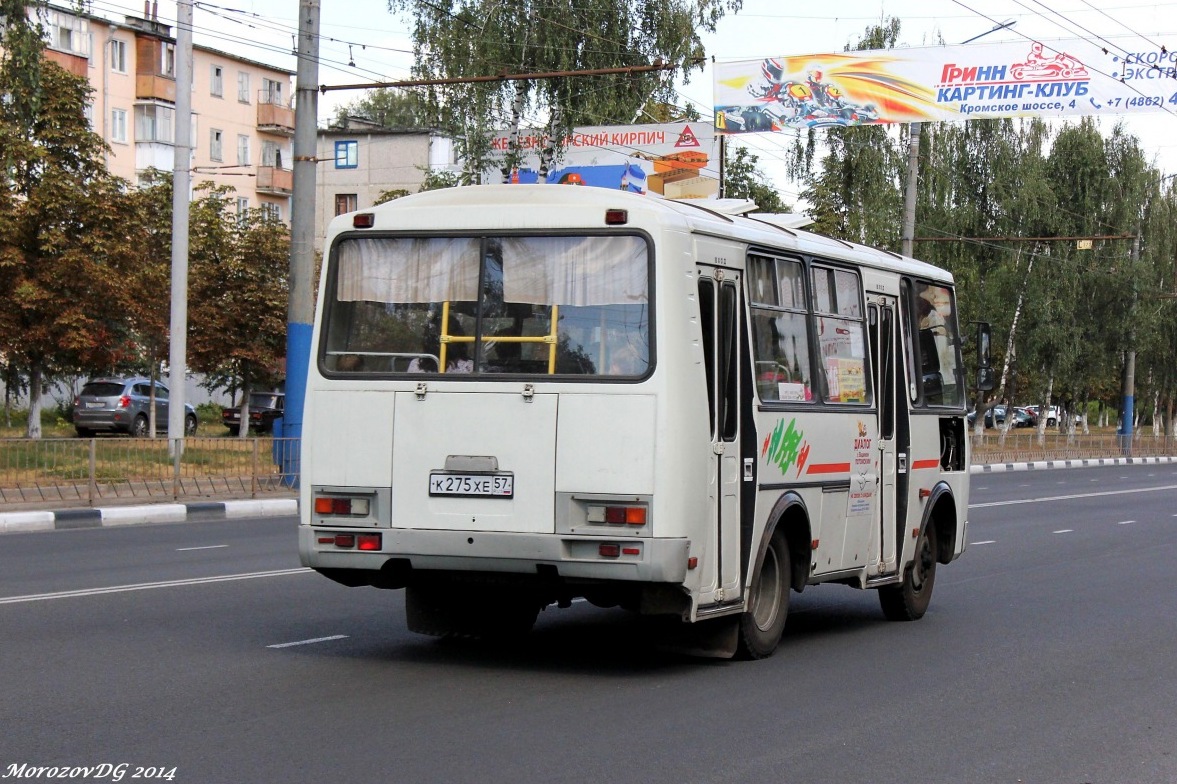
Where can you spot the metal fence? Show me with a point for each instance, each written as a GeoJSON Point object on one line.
{"type": "Point", "coordinates": [63, 472]}
{"type": "Point", "coordinates": [1021, 446]}
{"type": "Point", "coordinates": [94, 471]}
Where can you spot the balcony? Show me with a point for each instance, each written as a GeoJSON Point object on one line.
{"type": "Point", "coordinates": [155, 87]}
{"type": "Point", "coordinates": [76, 64]}
{"type": "Point", "coordinates": [275, 181]}
{"type": "Point", "coordinates": [273, 115]}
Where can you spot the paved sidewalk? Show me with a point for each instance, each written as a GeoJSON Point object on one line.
{"type": "Point", "coordinates": [13, 522]}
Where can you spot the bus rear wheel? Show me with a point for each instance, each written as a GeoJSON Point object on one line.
{"type": "Point", "coordinates": [908, 601]}
{"type": "Point", "coordinates": [763, 624]}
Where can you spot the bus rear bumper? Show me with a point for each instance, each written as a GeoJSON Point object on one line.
{"type": "Point", "coordinates": [579, 557]}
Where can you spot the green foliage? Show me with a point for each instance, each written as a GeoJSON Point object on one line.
{"type": "Point", "coordinates": [238, 290]}
{"type": "Point", "coordinates": [742, 179]}
{"type": "Point", "coordinates": [439, 178]}
{"type": "Point", "coordinates": [856, 192]}
{"type": "Point", "coordinates": [388, 108]}
{"type": "Point", "coordinates": [477, 38]}
{"type": "Point", "coordinates": [389, 195]}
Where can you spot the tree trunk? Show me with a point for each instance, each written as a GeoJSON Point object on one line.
{"type": "Point", "coordinates": [34, 426]}
{"type": "Point", "coordinates": [1043, 410]}
{"type": "Point", "coordinates": [243, 428]}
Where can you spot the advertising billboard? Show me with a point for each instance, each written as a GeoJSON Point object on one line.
{"type": "Point", "coordinates": [670, 160]}
{"type": "Point", "coordinates": [1028, 79]}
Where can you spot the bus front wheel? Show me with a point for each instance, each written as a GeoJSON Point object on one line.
{"type": "Point", "coordinates": [908, 601]}
{"type": "Point", "coordinates": [763, 624]}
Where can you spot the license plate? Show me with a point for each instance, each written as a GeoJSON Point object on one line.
{"type": "Point", "coordinates": [493, 485]}
{"type": "Point", "coordinates": [95, 404]}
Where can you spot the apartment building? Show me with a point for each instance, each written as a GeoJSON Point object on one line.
{"type": "Point", "coordinates": [359, 161]}
{"type": "Point", "coordinates": [242, 119]}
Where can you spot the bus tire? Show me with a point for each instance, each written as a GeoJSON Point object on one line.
{"type": "Point", "coordinates": [908, 601]}
{"type": "Point", "coordinates": [763, 624]}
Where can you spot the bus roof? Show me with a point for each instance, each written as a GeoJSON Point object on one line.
{"type": "Point", "coordinates": [480, 207]}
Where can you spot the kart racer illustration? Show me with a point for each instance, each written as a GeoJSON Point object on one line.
{"type": "Point", "coordinates": [1039, 66]}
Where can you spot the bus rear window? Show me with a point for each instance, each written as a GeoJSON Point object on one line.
{"type": "Point", "coordinates": [567, 305]}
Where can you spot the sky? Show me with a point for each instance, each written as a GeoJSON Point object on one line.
{"type": "Point", "coordinates": [361, 41]}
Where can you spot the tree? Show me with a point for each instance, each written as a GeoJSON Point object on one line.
{"type": "Point", "coordinates": [465, 38]}
{"type": "Point", "coordinates": [742, 179]}
{"type": "Point", "coordinates": [64, 250]}
{"type": "Point", "coordinates": [239, 268]}
{"type": "Point", "coordinates": [856, 193]}
{"type": "Point", "coordinates": [388, 108]}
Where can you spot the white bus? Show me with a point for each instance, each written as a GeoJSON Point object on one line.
{"type": "Point", "coordinates": [524, 395]}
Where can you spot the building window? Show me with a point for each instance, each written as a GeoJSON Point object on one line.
{"type": "Point", "coordinates": [118, 56]}
{"type": "Point", "coordinates": [242, 150]}
{"type": "Point", "coordinates": [272, 211]}
{"type": "Point", "coordinates": [346, 202]}
{"type": "Point", "coordinates": [118, 125]}
{"type": "Point", "coordinates": [88, 113]}
{"type": "Point", "coordinates": [271, 92]}
{"type": "Point", "coordinates": [243, 87]}
{"type": "Point", "coordinates": [167, 60]}
{"type": "Point", "coordinates": [65, 39]}
{"type": "Point", "coordinates": [155, 123]}
{"type": "Point", "coordinates": [347, 155]}
{"type": "Point", "coordinates": [242, 207]}
{"type": "Point", "coordinates": [214, 145]}
{"type": "Point", "coordinates": [217, 82]}
{"type": "Point", "coordinates": [271, 155]}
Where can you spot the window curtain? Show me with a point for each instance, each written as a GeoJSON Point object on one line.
{"type": "Point", "coordinates": [575, 270]}
{"type": "Point", "coordinates": [402, 270]}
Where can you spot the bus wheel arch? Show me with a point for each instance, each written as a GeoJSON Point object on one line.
{"type": "Point", "coordinates": [909, 599]}
{"type": "Point", "coordinates": [941, 513]}
{"type": "Point", "coordinates": [780, 566]}
{"type": "Point", "coordinates": [791, 517]}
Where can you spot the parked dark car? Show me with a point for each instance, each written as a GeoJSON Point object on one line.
{"type": "Point", "coordinates": [122, 405]}
{"type": "Point", "coordinates": [995, 417]}
{"type": "Point", "coordinates": [264, 408]}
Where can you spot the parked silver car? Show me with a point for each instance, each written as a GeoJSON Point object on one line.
{"type": "Point", "coordinates": [121, 405]}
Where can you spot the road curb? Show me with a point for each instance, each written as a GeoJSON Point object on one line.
{"type": "Point", "coordinates": [62, 519]}
{"type": "Point", "coordinates": [1090, 462]}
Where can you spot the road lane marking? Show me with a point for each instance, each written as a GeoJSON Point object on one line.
{"type": "Point", "coordinates": [987, 541]}
{"type": "Point", "coordinates": [1072, 497]}
{"type": "Point", "coordinates": [1126, 522]}
{"type": "Point", "coordinates": [206, 547]}
{"type": "Point", "coordinates": [308, 642]}
{"type": "Point", "coordinates": [37, 597]}
{"type": "Point", "coordinates": [1065, 531]}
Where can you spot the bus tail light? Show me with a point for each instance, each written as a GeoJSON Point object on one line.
{"type": "Point", "coordinates": [335, 505]}
{"type": "Point", "coordinates": [368, 542]}
{"type": "Point", "coordinates": [617, 515]}
{"type": "Point", "coordinates": [363, 220]}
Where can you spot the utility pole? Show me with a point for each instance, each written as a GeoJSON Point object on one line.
{"type": "Point", "coordinates": [913, 163]}
{"type": "Point", "coordinates": [1128, 382]}
{"type": "Point", "coordinates": [300, 310]}
{"type": "Point", "coordinates": [181, 184]}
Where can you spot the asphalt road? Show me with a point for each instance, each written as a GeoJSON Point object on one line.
{"type": "Point", "coordinates": [1049, 655]}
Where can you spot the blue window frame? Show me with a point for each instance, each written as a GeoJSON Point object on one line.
{"type": "Point", "coordinates": [347, 155]}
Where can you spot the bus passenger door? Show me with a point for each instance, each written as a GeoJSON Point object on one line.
{"type": "Point", "coordinates": [885, 369]}
{"type": "Point", "coordinates": [719, 305]}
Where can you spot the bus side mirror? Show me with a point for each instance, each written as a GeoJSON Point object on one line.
{"type": "Point", "coordinates": [986, 377]}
